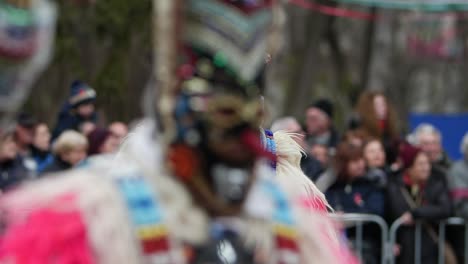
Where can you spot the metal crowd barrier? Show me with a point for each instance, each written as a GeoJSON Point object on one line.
{"type": "Point", "coordinates": [358, 220]}
{"type": "Point", "coordinates": [417, 238]}
{"type": "Point", "coordinates": [389, 236]}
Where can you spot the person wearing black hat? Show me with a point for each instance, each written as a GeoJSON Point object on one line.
{"type": "Point", "coordinates": [319, 124]}
{"type": "Point", "coordinates": [24, 133]}
{"type": "Point", "coordinates": [79, 109]}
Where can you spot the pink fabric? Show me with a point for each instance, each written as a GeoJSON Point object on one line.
{"type": "Point", "coordinates": [341, 251]}
{"type": "Point", "coordinates": [314, 203]}
{"type": "Point", "coordinates": [47, 236]}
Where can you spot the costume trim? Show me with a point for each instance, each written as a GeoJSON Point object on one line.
{"type": "Point", "coordinates": [270, 145]}
{"type": "Point", "coordinates": [284, 227]}
{"type": "Point", "coordinates": [147, 217]}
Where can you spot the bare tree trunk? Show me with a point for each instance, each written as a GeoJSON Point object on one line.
{"type": "Point", "coordinates": [304, 74]}
{"type": "Point", "coordinates": [368, 49]}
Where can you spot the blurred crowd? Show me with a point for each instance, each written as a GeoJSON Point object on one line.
{"type": "Point", "coordinates": [373, 168]}
{"type": "Point", "coordinates": [30, 148]}
{"type": "Point", "coordinates": [370, 168]}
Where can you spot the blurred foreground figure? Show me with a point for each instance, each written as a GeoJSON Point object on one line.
{"type": "Point", "coordinates": [195, 185]}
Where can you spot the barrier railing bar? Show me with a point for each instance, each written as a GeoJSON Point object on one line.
{"type": "Point", "coordinates": [393, 232]}
{"type": "Point", "coordinates": [352, 218]}
{"type": "Point", "coordinates": [455, 221]}
{"type": "Point", "coordinates": [389, 238]}
{"type": "Point", "coordinates": [441, 243]}
{"type": "Point", "coordinates": [417, 243]}
{"type": "Point", "coordinates": [466, 244]}
{"type": "Point", "coordinates": [359, 240]}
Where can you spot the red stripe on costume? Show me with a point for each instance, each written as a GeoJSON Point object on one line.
{"type": "Point", "coordinates": [286, 243]}
{"type": "Point", "coordinates": [155, 245]}
{"type": "Point", "coordinates": [332, 11]}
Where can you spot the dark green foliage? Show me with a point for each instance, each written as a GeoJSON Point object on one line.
{"type": "Point", "coordinates": [108, 45]}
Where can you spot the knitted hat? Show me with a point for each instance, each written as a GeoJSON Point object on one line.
{"type": "Point", "coordinates": [81, 93]}
{"type": "Point", "coordinates": [408, 154]}
{"type": "Point", "coordinates": [96, 139]}
{"type": "Point", "coordinates": [325, 106]}
{"type": "Point", "coordinates": [26, 120]}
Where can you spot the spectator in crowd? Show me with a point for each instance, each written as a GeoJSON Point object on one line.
{"type": "Point", "coordinates": [354, 193]}
{"type": "Point", "coordinates": [328, 177]}
{"type": "Point", "coordinates": [78, 110]}
{"type": "Point", "coordinates": [86, 128]}
{"type": "Point", "coordinates": [40, 149]}
{"type": "Point", "coordinates": [377, 119]}
{"type": "Point", "coordinates": [319, 124]}
{"type": "Point", "coordinates": [458, 182]}
{"type": "Point", "coordinates": [119, 130]}
{"type": "Point", "coordinates": [309, 165]}
{"type": "Point", "coordinates": [458, 179]}
{"type": "Point", "coordinates": [13, 167]}
{"type": "Point", "coordinates": [69, 150]}
{"type": "Point", "coordinates": [320, 152]}
{"type": "Point", "coordinates": [415, 194]}
{"type": "Point", "coordinates": [24, 133]}
{"type": "Point", "coordinates": [354, 137]}
{"type": "Point", "coordinates": [102, 141]}
{"type": "Point", "coordinates": [374, 156]}
{"type": "Point", "coordinates": [429, 139]}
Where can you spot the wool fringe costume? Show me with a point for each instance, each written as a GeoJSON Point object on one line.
{"type": "Point", "coordinates": [89, 194]}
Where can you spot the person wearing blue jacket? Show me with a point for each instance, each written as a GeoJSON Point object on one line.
{"type": "Point", "coordinates": [78, 110]}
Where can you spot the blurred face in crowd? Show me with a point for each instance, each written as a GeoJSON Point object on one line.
{"type": "Point", "coordinates": [8, 149]}
{"type": "Point", "coordinates": [299, 136]}
{"type": "Point", "coordinates": [356, 168]}
{"type": "Point", "coordinates": [110, 145]}
{"type": "Point", "coordinates": [87, 127]}
{"type": "Point", "coordinates": [421, 169]}
{"type": "Point", "coordinates": [85, 110]}
{"type": "Point", "coordinates": [317, 122]}
{"type": "Point", "coordinates": [374, 154]}
{"type": "Point", "coordinates": [41, 138]}
{"type": "Point", "coordinates": [355, 141]}
{"type": "Point", "coordinates": [24, 135]}
{"type": "Point", "coordinates": [380, 106]}
{"type": "Point", "coordinates": [320, 152]}
{"type": "Point", "coordinates": [74, 156]}
{"type": "Point", "coordinates": [119, 130]}
{"type": "Point", "coordinates": [431, 145]}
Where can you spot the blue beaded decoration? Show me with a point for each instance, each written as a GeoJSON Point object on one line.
{"type": "Point", "coordinates": [270, 146]}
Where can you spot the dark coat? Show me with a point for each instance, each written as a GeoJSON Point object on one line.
{"type": "Point", "coordinates": [360, 196]}
{"type": "Point", "coordinates": [435, 205]}
{"type": "Point", "coordinates": [15, 171]}
{"type": "Point", "coordinates": [42, 158]}
{"type": "Point", "coordinates": [69, 120]}
{"type": "Point", "coordinates": [56, 166]}
{"type": "Point", "coordinates": [311, 167]}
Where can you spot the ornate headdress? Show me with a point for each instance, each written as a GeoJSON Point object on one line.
{"type": "Point", "coordinates": [210, 57]}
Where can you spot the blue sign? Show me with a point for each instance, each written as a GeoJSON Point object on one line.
{"type": "Point", "coordinates": [453, 127]}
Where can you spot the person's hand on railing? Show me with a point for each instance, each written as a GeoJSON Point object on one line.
{"type": "Point", "coordinates": [396, 250]}
{"type": "Point", "coordinates": [407, 218]}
